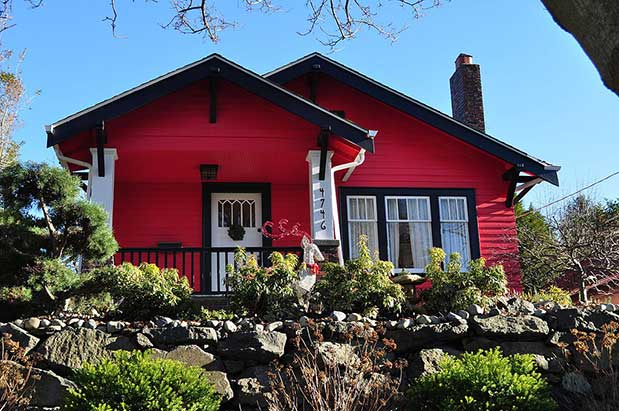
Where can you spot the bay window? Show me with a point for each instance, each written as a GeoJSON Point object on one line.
{"type": "Point", "coordinates": [403, 224]}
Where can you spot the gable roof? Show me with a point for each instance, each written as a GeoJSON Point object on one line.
{"type": "Point", "coordinates": [213, 65]}
{"type": "Point", "coordinates": [316, 62]}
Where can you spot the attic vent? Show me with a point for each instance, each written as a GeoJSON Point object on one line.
{"type": "Point", "coordinates": [208, 171]}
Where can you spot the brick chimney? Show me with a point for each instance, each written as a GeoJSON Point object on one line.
{"type": "Point", "coordinates": [467, 103]}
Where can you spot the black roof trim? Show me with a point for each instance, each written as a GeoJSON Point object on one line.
{"type": "Point", "coordinates": [387, 95]}
{"type": "Point", "coordinates": [182, 77]}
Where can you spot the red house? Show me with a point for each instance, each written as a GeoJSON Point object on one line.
{"type": "Point", "coordinates": [181, 159]}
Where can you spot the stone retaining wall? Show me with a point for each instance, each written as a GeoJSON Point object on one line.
{"type": "Point", "coordinates": [236, 355]}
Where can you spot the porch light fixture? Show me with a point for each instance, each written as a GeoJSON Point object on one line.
{"type": "Point", "coordinates": [208, 171]}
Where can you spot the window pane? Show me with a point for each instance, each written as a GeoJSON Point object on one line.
{"type": "Point", "coordinates": [402, 211]}
{"type": "Point", "coordinates": [227, 213]}
{"type": "Point", "coordinates": [453, 209]}
{"type": "Point", "coordinates": [369, 204]}
{"type": "Point", "coordinates": [455, 239]}
{"type": "Point", "coordinates": [236, 212]}
{"type": "Point", "coordinates": [363, 215]}
{"type": "Point", "coordinates": [247, 214]}
{"type": "Point", "coordinates": [392, 209]}
{"type": "Point", "coordinates": [408, 244]}
{"type": "Point", "coordinates": [353, 208]}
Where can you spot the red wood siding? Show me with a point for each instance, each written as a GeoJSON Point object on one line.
{"type": "Point", "coordinates": [158, 195]}
{"type": "Point", "coordinates": [413, 154]}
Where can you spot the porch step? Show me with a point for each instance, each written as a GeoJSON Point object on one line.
{"type": "Point", "coordinates": [211, 302]}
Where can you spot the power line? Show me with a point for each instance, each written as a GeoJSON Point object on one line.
{"type": "Point", "coordinates": [571, 195]}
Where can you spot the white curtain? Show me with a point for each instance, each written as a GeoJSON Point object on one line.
{"type": "Point", "coordinates": [393, 243]}
{"type": "Point", "coordinates": [454, 228]}
{"type": "Point", "coordinates": [356, 230]}
{"type": "Point", "coordinates": [362, 221]}
{"type": "Point", "coordinates": [421, 243]}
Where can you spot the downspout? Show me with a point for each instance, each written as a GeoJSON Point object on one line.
{"type": "Point", "coordinates": [336, 218]}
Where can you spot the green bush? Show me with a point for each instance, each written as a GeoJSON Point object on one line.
{"type": "Point", "coordinates": [454, 289]}
{"type": "Point", "coordinates": [142, 291]}
{"type": "Point", "coordinates": [552, 293]}
{"type": "Point", "coordinates": [44, 215]}
{"type": "Point", "coordinates": [266, 292]}
{"type": "Point", "coordinates": [483, 381]}
{"type": "Point", "coordinates": [135, 382]}
{"type": "Point", "coordinates": [362, 285]}
{"type": "Point", "coordinates": [219, 315]}
{"type": "Point", "coordinates": [15, 295]}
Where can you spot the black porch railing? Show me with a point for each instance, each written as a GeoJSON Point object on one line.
{"type": "Point", "coordinates": [205, 268]}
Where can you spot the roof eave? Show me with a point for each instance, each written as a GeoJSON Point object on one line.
{"type": "Point", "coordinates": [415, 108]}
{"type": "Point", "coordinates": [147, 92]}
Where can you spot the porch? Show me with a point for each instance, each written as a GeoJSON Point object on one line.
{"type": "Point", "coordinates": [204, 267]}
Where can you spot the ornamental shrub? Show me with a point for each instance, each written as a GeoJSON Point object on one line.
{"type": "Point", "coordinates": [43, 214]}
{"type": "Point", "coordinates": [362, 285]}
{"type": "Point", "coordinates": [483, 381]}
{"type": "Point", "coordinates": [552, 293]}
{"type": "Point", "coordinates": [453, 289]}
{"type": "Point", "coordinates": [142, 291]}
{"type": "Point", "coordinates": [133, 381]}
{"type": "Point", "coordinates": [265, 292]}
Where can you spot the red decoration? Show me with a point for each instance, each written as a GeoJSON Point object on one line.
{"type": "Point", "coordinates": [284, 231]}
{"type": "Point", "coordinates": [314, 268]}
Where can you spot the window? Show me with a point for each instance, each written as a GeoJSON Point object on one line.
{"type": "Point", "coordinates": [409, 231]}
{"type": "Point", "coordinates": [362, 221]}
{"type": "Point", "coordinates": [241, 212]}
{"type": "Point", "coordinates": [454, 227]}
{"type": "Point", "coordinates": [402, 224]}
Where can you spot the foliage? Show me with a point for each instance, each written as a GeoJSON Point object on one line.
{"type": "Point", "coordinates": [362, 284]}
{"type": "Point", "coordinates": [266, 292]}
{"type": "Point", "coordinates": [52, 275]}
{"type": "Point", "coordinates": [219, 315]}
{"type": "Point", "coordinates": [584, 246]}
{"type": "Point", "coordinates": [42, 215]}
{"type": "Point", "coordinates": [142, 291]}
{"type": "Point", "coordinates": [12, 93]}
{"type": "Point", "coordinates": [454, 289]}
{"type": "Point", "coordinates": [485, 380]}
{"type": "Point", "coordinates": [367, 379]}
{"type": "Point", "coordinates": [552, 293]}
{"type": "Point", "coordinates": [532, 228]}
{"type": "Point", "coordinates": [133, 381]}
{"type": "Point", "coordinates": [15, 295]}
{"type": "Point", "coordinates": [15, 375]}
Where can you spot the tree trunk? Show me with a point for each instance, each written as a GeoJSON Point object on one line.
{"type": "Point", "coordinates": [582, 295]}
{"type": "Point", "coordinates": [595, 25]}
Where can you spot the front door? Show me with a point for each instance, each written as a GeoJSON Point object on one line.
{"type": "Point", "coordinates": [229, 213]}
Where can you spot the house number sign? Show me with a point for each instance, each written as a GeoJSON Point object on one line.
{"type": "Point", "coordinates": [321, 197]}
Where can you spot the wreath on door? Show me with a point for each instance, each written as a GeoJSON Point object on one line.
{"type": "Point", "coordinates": [236, 232]}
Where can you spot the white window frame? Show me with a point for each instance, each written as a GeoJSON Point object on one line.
{"type": "Point", "coordinates": [466, 221]}
{"type": "Point", "coordinates": [398, 220]}
{"type": "Point", "coordinates": [357, 220]}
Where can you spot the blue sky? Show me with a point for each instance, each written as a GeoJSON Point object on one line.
{"type": "Point", "coordinates": [541, 92]}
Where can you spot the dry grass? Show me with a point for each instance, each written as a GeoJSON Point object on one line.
{"type": "Point", "coordinates": [15, 380]}
{"type": "Point", "coordinates": [315, 381]}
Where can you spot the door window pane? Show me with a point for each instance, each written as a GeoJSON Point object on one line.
{"type": "Point", "coordinates": [362, 221]}
{"type": "Point", "coordinates": [241, 212]}
{"type": "Point", "coordinates": [409, 236]}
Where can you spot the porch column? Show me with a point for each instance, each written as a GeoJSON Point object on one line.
{"type": "Point", "coordinates": [321, 197]}
{"type": "Point", "coordinates": [101, 189]}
